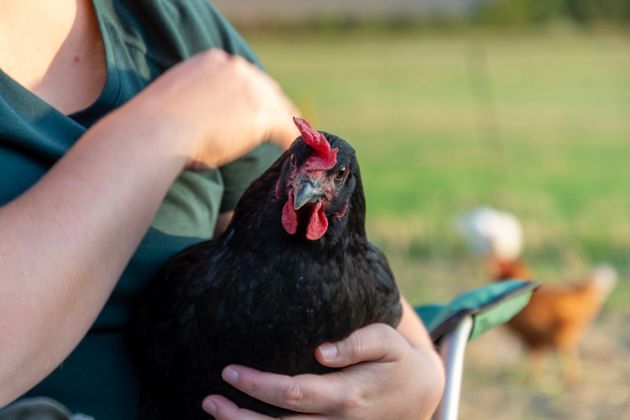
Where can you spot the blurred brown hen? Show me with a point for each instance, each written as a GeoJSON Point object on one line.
{"type": "Point", "coordinates": [557, 314]}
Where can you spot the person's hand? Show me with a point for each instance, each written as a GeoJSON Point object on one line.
{"type": "Point", "coordinates": [383, 377]}
{"type": "Point", "coordinates": [217, 107]}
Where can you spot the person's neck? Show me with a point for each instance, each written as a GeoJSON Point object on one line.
{"type": "Point", "coordinates": [32, 33]}
{"type": "Point", "coordinates": [45, 44]}
{"type": "Point", "coordinates": [37, 18]}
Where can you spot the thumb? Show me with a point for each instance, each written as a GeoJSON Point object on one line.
{"type": "Point", "coordinates": [376, 342]}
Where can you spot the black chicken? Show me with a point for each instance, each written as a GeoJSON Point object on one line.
{"type": "Point", "coordinates": [293, 269]}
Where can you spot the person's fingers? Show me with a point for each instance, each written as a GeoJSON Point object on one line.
{"type": "Point", "coordinates": [223, 409]}
{"type": "Point", "coordinates": [302, 393]}
{"type": "Point", "coordinates": [375, 342]}
{"type": "Point", "coordinates": [284, 132]}
{"type": "Point", "coordinates": [277, 109]}
{"type": "Point", "coordinates": [282, 129]}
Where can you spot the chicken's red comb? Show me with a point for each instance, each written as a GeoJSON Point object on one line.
{"type": "Point", "coordinates": [324, 157]}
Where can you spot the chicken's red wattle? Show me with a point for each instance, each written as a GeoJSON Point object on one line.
{"type": "Point", "coordinates": [317, 222]}
{"type": "Point", "coordinates": [289, 216]}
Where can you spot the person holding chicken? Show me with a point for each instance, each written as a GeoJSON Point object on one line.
{"type": "Point", "coordinates": [128, 130]}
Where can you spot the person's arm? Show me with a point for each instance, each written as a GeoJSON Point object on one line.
{"type": "Point", "coordinates": [65, 241]}
{"type": "Point", "coordinates": [384, 374]}
{"type": "Point", "coordinates": [222, 223]}
{"type": "Point", "coordinates": [412, 328]}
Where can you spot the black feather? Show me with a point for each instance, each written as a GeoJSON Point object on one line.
{"type": "Point", "coordinates": [260, 297]}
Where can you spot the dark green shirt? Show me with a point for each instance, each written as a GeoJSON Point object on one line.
{"type": "Point", "coordinates": [142, 39]}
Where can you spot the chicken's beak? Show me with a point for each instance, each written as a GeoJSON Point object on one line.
{"type": "Point", "coordinates": [308, 191]}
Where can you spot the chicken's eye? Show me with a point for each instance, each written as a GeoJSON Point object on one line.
{"type": "Point", "coordinates": [341, 174]}
{"type": "Point", "coordinates": [293, 161]}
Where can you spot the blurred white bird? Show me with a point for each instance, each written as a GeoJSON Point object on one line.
{"type": "Point", "coordinates": [492, 232]}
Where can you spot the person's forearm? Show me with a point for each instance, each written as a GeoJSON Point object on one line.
{"type": "Point", "coordinates": [412, 328]}
{"type": "Point", "coordinates": [414, 331]}
{"type": "Point", "coordinates": [65, 242]}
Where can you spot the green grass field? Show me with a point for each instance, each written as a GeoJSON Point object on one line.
{"type": "Point", "coordinates": [539, 125]}
{"type": "Point", "coordinates": [535, 124]}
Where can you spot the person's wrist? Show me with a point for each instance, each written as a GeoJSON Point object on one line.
{"type": "Point", "coordinates": [163, 133]}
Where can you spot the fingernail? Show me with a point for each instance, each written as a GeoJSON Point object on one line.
{"type": "Point", "coordinates": [230, 375]}
{"type": "Point", "coordinates": [209, 406]}
{"type": "Point", "coordinates": [329, 351]}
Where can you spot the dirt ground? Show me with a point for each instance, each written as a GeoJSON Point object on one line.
{"type": "Point", "coordinates": [498, 382]}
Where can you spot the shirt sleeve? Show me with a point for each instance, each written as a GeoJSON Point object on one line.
{"type": "Point", "coordinates": [178, 29]}
{"type": "Point", "coordinates": [238, 175]}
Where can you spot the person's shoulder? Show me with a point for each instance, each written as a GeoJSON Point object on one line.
{"type": "Point", "coordinates": [176, 11]}
{"type": "Point", "coordinates": [167, 8]}
{"type": "Point", "coordinates": [179, 29]}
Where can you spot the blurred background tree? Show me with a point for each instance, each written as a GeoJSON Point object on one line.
{"type": "Point", "coordinates": [536, 12]}
{"type": "Point", "coordinates": [350, 13]}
